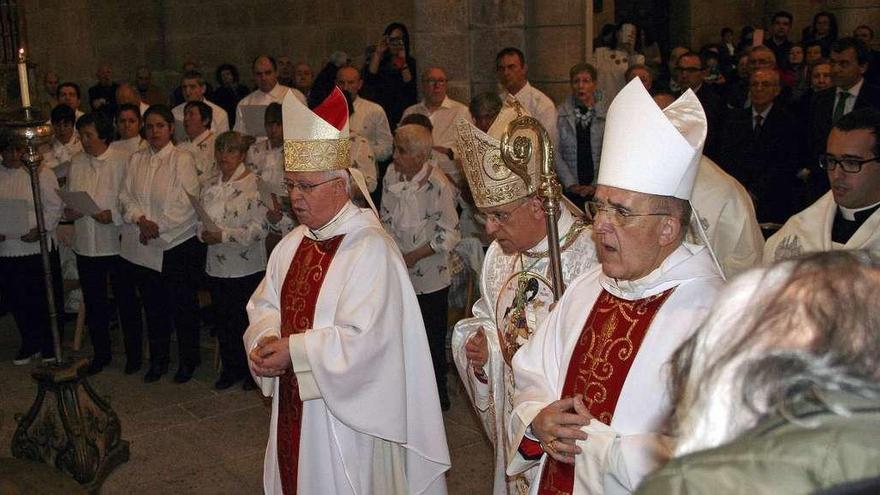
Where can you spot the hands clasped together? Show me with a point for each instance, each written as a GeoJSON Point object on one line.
{"type": "Point", "coordinates": [271, 357]}
{"type": "Point", "coordinates": [558, 427]}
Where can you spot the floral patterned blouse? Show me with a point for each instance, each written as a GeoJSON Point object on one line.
{"type": "Point", "coordinates": [236, 208]}
{"type": "Point", "coordinates": [418, 212]}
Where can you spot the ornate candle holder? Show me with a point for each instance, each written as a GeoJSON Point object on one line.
{"type": "Point", "coordinates": [68, 426]}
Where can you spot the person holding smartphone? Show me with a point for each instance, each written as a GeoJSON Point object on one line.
{"type": "Point", "coordinates": [389, 76]}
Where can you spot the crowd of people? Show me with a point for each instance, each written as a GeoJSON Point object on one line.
{"type": "Point", "coordinates": [321, 208]}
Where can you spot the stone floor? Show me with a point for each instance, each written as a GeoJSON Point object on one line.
{"type": "Point", "coordinates": [191, 439]}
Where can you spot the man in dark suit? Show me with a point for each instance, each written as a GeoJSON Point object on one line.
{"type": "Point", "coordinates": [690, 72]}
{"type": "Point", "coordinates": [849, 61]}
{"type": "Point", "coordinates": [778, 40]}
{"type": "Point", "coordinates": [759, 147]}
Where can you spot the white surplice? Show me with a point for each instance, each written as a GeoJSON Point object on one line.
{"type": "Point", "coordinates": [493, 401]}
{"type": "Point", "coordinates": [810, 231]}
{"type": "Point", "coordinates": [615, 458]}
{"type": "Point", "coordinates": [727, 213]}
{"type": "Point", "coordinates": [364, 370]}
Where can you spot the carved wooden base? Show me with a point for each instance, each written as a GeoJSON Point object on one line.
{"type": "Point", "coordinates": [70, 427]}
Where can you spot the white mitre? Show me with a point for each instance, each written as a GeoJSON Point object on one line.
{"type": "Point", "coordinates": [649, 150]}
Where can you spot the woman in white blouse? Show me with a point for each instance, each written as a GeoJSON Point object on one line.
{"type": "Point", "coordinates": [612, 61]}
{"type": "Point", "coordinates": [236, 258]}
{"type": "Point", "coordinates": [418, 210]}
{"type": "Point", "coordinates": [21, 266]}
{"type": "Point", "coordinates": [98, 171]}
{"type": "Point", "coordinates": [159, 239]}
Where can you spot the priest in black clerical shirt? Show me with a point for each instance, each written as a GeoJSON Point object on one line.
{"type": "Point", "coordinates": [581, 123]}
{"type": "Point", "coordinates": [847, 216]}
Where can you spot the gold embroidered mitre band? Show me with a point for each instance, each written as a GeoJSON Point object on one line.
{"type": "Point", "coordinates": [492, 183]}
{"type": "Point", "coordinates": [316, 141]}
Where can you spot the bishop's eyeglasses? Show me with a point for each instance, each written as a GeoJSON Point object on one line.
{"type": "Point", "coordinates": [617, 215]}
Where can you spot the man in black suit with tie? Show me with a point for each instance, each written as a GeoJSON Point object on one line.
{"type": "Point", "coordinates": [759, 147]}
{"type": "Point", "coordinates": [690, 73]}
{"type": "Point", "coordinates": [849, 61]}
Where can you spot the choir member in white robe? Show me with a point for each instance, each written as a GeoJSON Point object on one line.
{"type": "Point", "coordinates": [591, 398]}
{"type": "Point", "coordinates": [128, 125]}
{"type": "Point", "coordinates": [515, 219]}
{"type": "Point", "coordinates": [847, 216]}
{"type": "Point", "coordinates": [342, 351]}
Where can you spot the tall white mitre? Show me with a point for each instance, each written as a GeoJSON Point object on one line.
{"type": "Point", "coordinates": [649, 150]}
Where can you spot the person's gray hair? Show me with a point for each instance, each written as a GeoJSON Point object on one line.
{"type": "Point", "coordinates": [485, 104]}
{"type": "Point", "coordinates": [341, 174]}
{"type": "Point", "coordinates": [230, 140]}
{"type": "Point", "coordinates": [774, 335]}
{"type": "Point", "coordinates": [416, 139]}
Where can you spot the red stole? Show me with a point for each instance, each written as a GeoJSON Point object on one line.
{"type": "Point", "coordinates": [599, 365]}
{"type": "Point", "coordinates": [299, 295]}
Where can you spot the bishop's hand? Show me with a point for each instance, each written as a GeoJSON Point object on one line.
{"type": "Point", "coordinates": [477, 348]}
{"type": "Point", "coordinates": [558, 427]}
{"type": "Point", "coordinates": [271, 357]}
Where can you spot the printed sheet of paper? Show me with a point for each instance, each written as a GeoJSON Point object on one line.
{"type": "Point", "coordinates": [14, 218]}
{"type": "Point", "coordinates": [254, 119]}
{"type": "Point", "coordinates": [79, 201]}
{"type": "Point", "coordinates": [203, 215]}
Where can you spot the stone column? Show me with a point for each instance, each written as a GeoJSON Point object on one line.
{"type": "Point", "coordinates": [440, 28]}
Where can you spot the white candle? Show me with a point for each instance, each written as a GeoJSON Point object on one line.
{"type": "Point", "coordinates": [23, 79]}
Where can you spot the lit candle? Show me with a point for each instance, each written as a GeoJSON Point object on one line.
{"type": "Point", "coordinates": [23, 79]}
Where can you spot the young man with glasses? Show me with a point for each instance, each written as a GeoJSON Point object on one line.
{"type": "Point", "coordinates": [846, 216]}
{"type": "Point", "coordinates": [514, 301]}
{"type": "Point", "coordinates": [594, 369]}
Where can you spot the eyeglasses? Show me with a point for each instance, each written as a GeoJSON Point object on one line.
{"type": "Point", "coordinates": [502, 216]}
{"type": "Point", "coordinates": [618, 216]}
{"type": "Point", "coordinates": [305, 188]}
{"type": "Point", "coordinates": [849, 165]}
{"type": "Point", "coordinates": [435, 81]}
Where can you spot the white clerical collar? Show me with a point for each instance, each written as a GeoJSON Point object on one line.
{"type": "Point", "coordinates": [662, 278]}
{"type": "Point", "coordinates": [329, 229]}
{"type": "Point", "coordinates": [850, 213]}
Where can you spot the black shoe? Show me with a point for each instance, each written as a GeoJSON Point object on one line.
{"type": "Point", "coordinates": [96, 365]}
{"type": "Point", "coordinates": [155, 373]}
{"type": "Point", "coordinates": [184, 373]}
{"type": "Point", "coordinates": [224, 382]}
{"type": "Point", "coordinates": [132, 367]}
{"type": "Point", "coordinates": [248, 383]}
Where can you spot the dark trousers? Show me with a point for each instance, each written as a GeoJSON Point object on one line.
{"type": "Point", "coordinates": [170, 298]}
{"type": "Point", "coordinates": [94, 272]}
{"type": "Point", "coordinates": [229, 297]}
{"type": "Point", "coordinates": [22, 286]}
{"type": "Point", "coordinates": [434, 307]}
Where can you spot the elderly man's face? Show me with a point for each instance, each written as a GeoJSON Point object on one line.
{"type": "Point", "coordinates": [265, 76]}
{"type": "Point", "coordinates": [434, 84]}
{"type": "Point", "coordinates": [635, 248]}
{"type": "Point", "coordinates": [511, 72]}
{"type": "Point", "coordinates": [315, 197]}
{"type": "Point", "coordinates": [761, 59]}
{"type": "Point", "coordinates": [517, 226]}
{"type": "Point", "coordinates": [68, 96]}
{"type": "Point", "coordinates": [50, 83]}
{"type": "Point", "coordinates": [845, 68]}
{"type": "Point", "coordinates": [303, 76]}
{"type": "Point", "coordinates": [349, 80]}
{"type": "Point", "coordinates": [192, 90]}
{"type": "Point", "coordinates": [860, 189]}
{"type": "Point", "coordinates": [820, 77]}
{"type": "Point", "coordinates": [128, 124]}
{"type": "Point", "coordinates": [763, 88]}
{"type": "Point", "coordinates": [689, 72]}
